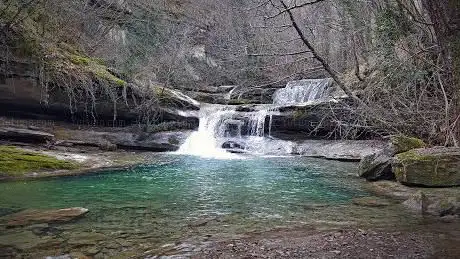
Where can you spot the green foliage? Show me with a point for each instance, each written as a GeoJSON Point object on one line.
{"type": "Point", "coordinates": [14, 161]}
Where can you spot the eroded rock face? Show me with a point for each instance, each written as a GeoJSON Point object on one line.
{"type": "Point", "coordinates": [25, 135]}
{"type": "Point", "coordinates": [432, 167]}
{"type": "Point", "coordinates": [29, 217]}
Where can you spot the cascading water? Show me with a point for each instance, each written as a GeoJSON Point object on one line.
{"type": "Point", "coordinates": [204, 142]}
{"type": "Point", "coordinates": [302, 91]}
{"type": "Point", "coordinates": [222, 128]}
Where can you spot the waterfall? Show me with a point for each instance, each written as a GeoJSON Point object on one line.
{"type": "Point", "coordinates": [224, 131]}
{"type": "Point", "coordinates": [205, 141]}
{"type": "Point", "coordinates": [222, 125]}
{"type": "Point", "coordinates": [302, 91]}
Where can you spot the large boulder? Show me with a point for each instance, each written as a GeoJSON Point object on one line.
{"type": "Point", "coordinates": [377, 166]}
{"type": "Point", "coordinates": [432, 167]}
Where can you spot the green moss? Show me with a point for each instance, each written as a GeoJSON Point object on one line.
{"type": "Point", "coordinates": [16, 162]}
{"type": "Point", "coordinates": [101, 72]}
{"type": "Point", "coordinates": [79, 60]}
{"type": "Point", "coordinates": [97, 68]}
{"type": "Point", "coordinates": [413, 155]}
{"type": "Point", "coordinates": [402, 143]}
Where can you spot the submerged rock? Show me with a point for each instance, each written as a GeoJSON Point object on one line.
{"type": "Point", "coordinates": [370, 202]}
{"type": "Point", "coordinates": [417, 202]}
{"type": "Point", "coordinates": [23, 240]}
{"type": "Point", "coordinates": [444, 206]}
{"type": "Point", "coordinates": [433, 167]}
{"type": "Point", "coordinates": [29, 217]}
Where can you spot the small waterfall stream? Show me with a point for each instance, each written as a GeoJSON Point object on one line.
{"type": "Point", "coordinates": [303, 91]}
{"type": "Point", "coordinates": [222, 128]}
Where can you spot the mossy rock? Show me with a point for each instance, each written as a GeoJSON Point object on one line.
{"type": "Point", "coordinates": [401, 143]}
{"type": "Point", "coordinates": [17, 162]}
{"type": "Point", "coordinates": [433, 167]}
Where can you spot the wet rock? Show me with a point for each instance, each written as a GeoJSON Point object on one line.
{"type": "Point", "coordinates": [232, 145]}
{"type": "Point", "coordinates": [431, 167]}
{"type": "Point", "coordinates": [246, 108]}
{"type": "Point", "coordinates": [43, 229]}
{"type": "Point", "coordinates": [444, 206]}
{"type": "Point", "coordinates": [25, 135]}
{"type": "Point", "coordinates": [371, 202]}
{"type": "Point", "coordinates": [85, 238]}
{"type": "Point", "coordinates": [28, 217]}
{"type": "Point", "coordinates": [93, 250]}
{"type": "Point", "coordinates": [23, 240]}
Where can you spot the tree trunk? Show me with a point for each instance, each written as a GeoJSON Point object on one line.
{"type": "Point", "coordinates": [445, 16]}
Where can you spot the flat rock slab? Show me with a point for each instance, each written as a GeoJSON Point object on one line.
{"type": "Point", "coordinates": [29, 217]}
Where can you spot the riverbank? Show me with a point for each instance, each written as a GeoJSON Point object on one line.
{"type": "Point", "coordinates": [84, 162]}
{"type": "Point", "coordinates": [432, 241]}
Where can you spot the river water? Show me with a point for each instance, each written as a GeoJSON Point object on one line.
{"type": "Point", "coordinates": [179, 197]}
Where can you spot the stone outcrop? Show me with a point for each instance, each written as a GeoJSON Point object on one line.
{"type": "Point", "coordinates": [156, 142]}
{"type": "Point", "coordinates": [432, 167]}
{"type": "Point", "coordinates": [29, 217]}
{"type": "Point", "coordinates": [25, 135]}
{"type": "Point", "coordinates": [22, 97]}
